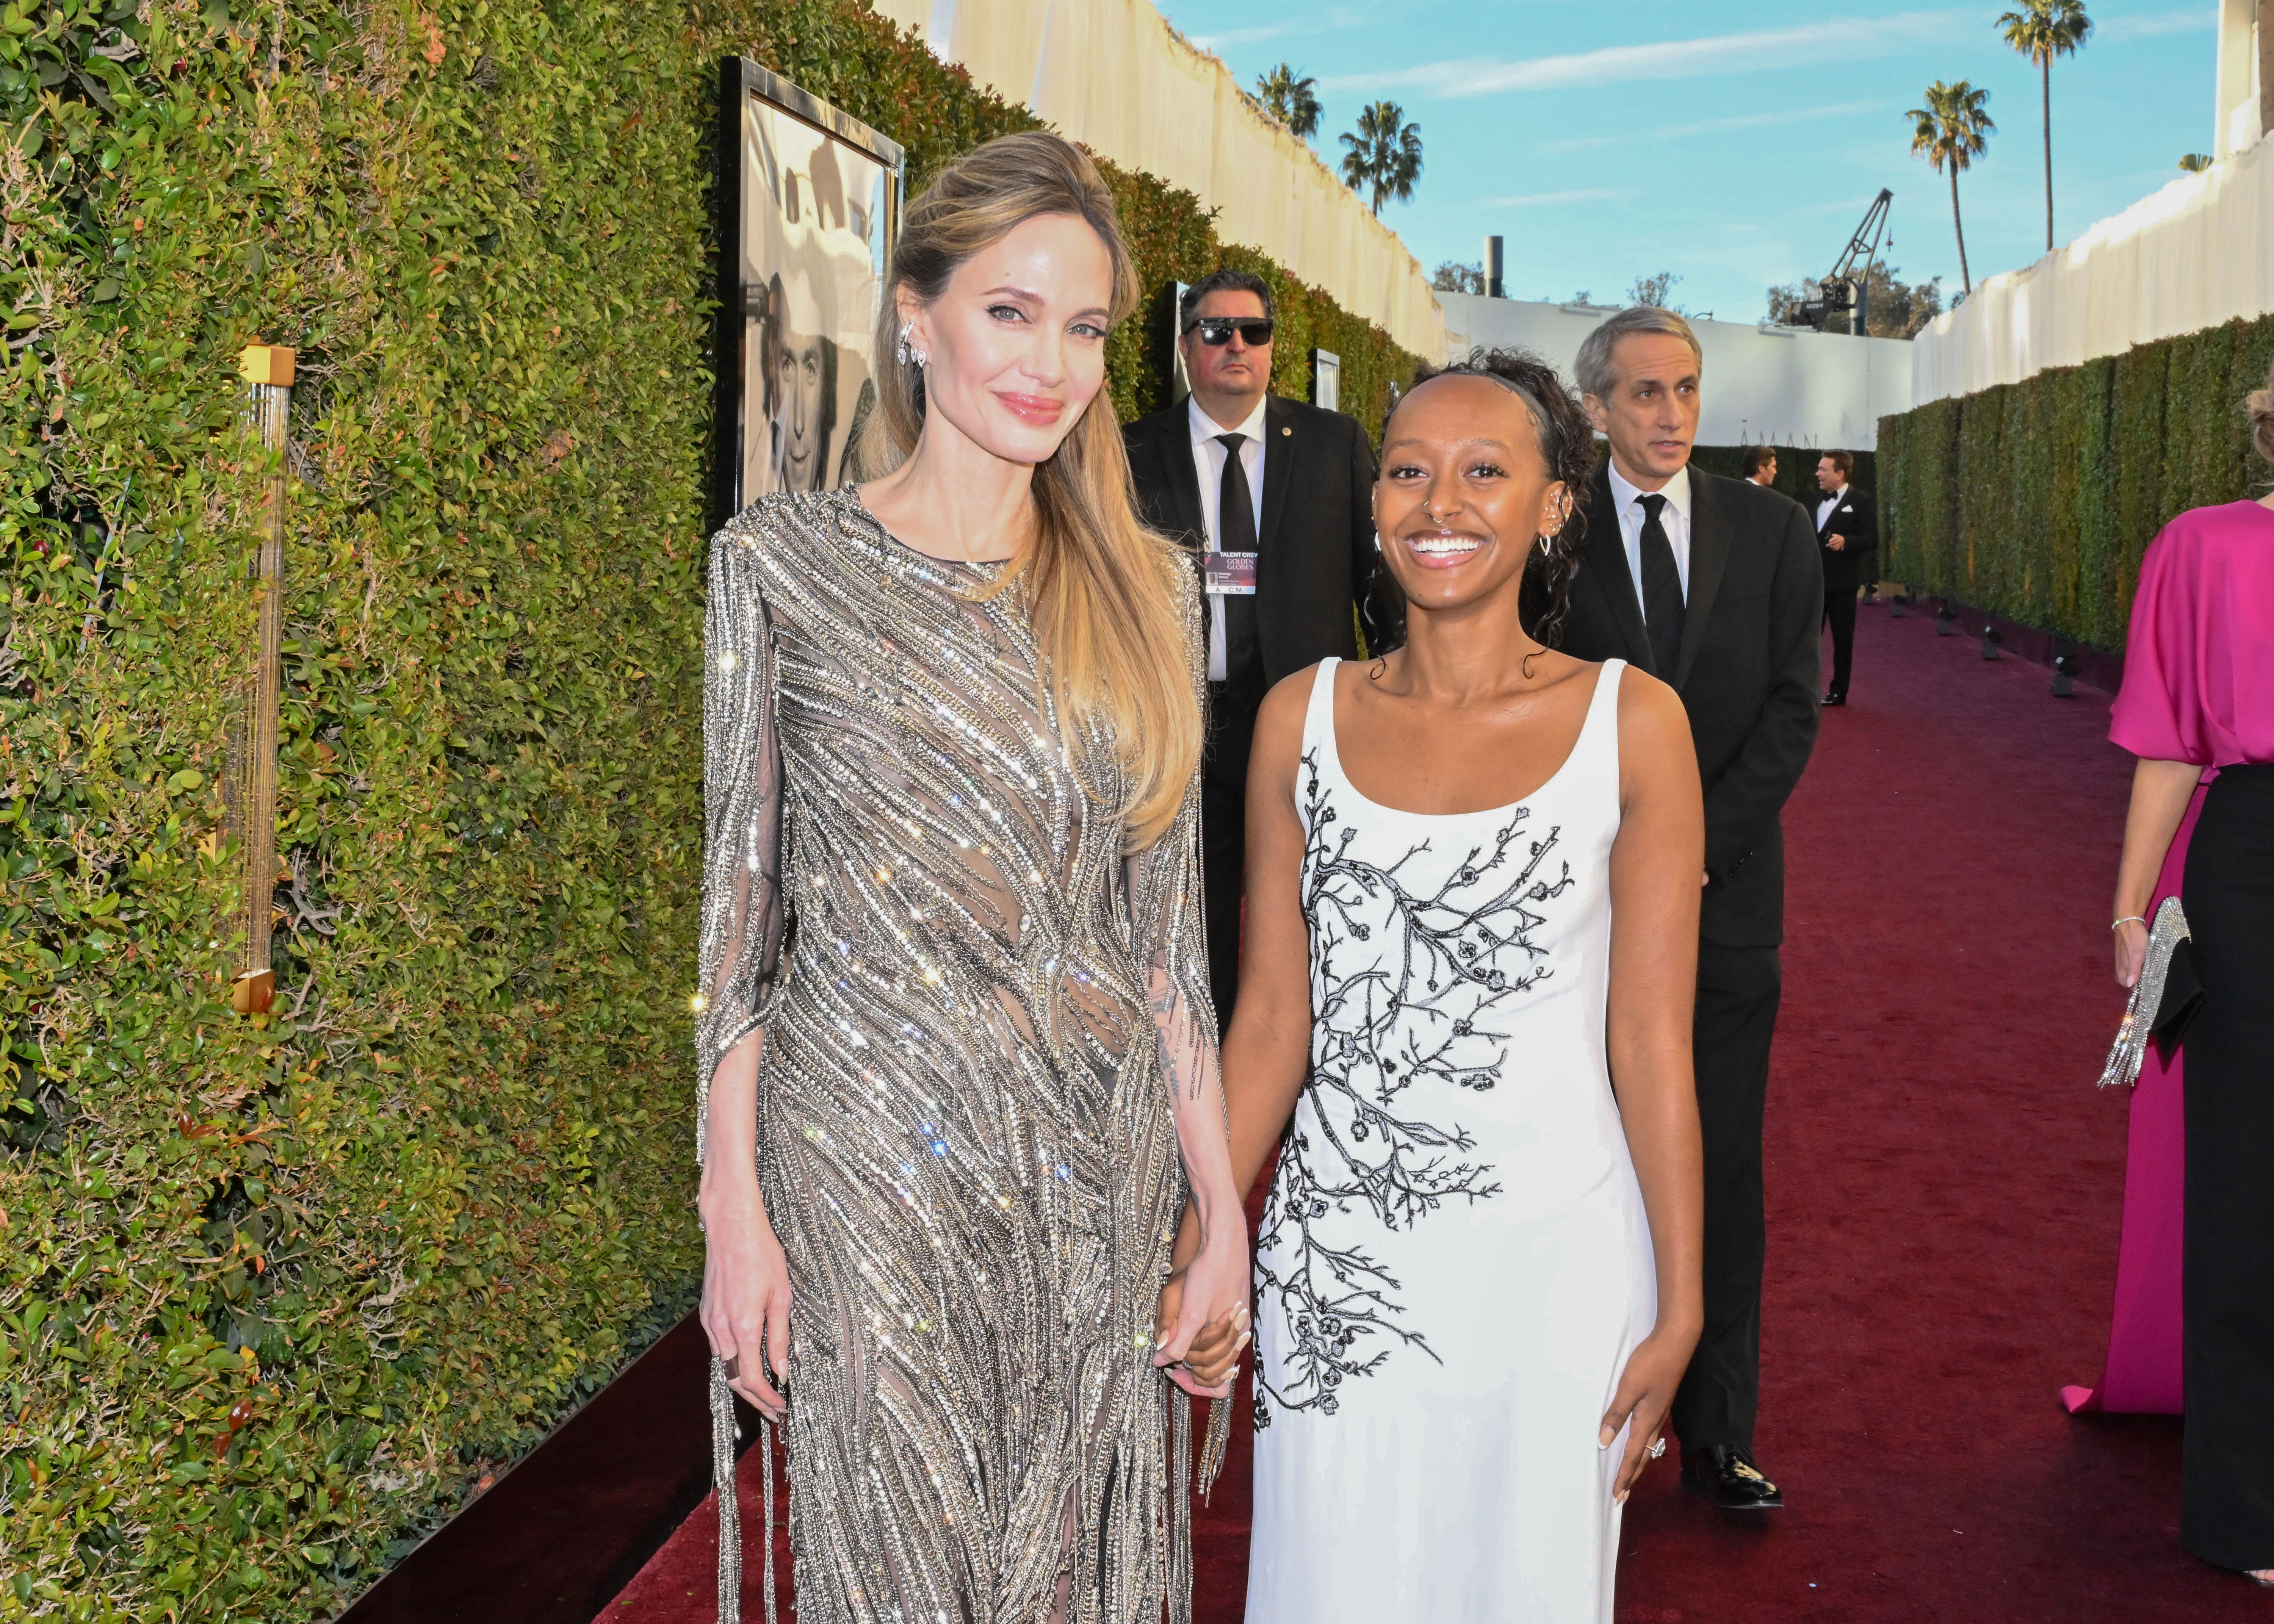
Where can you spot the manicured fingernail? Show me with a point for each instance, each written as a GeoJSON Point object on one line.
{"type": "Point", "coordinates": [1603, 1438]}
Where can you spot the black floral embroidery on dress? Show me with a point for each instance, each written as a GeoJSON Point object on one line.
{"type": "Point", "coordinates": [1418, 1014]}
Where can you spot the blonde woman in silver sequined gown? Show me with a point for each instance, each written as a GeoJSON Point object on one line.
{"type": "Point", "coordinates": [955, 1046]}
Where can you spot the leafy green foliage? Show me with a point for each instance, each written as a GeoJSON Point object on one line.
{"type": "Point", "coordinates": [275, 1294]}
{"type": "Point", "coordinates": [2038, 499]}
{"type": "Point", "coordinates": [1382, 154]}
{"type": "Point", "coordinates": [1290, 98]}
{"type": "Point", "coordinates": [1796, 466]}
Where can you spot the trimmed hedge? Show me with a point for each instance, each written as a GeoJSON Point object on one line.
{"type": "Point", "coordinates": [2037, 500]}
{"type": "Point", "coordinates": [1795, 468]}
{"type": "Point", "coordinates": [276, 1294]}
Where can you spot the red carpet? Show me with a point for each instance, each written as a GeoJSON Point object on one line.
{"type": "Point", "coordinates": [1944, 1187]}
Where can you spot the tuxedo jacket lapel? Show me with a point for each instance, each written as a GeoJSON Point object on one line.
{"type": "Point", "coordinates": [1603, 557]}
{"type": "Point", "coordinates": [1278, 468]}
{"type": "Point", "coordinates": [1709, 553]}
{"type": "Point", "coordinates": [1172, 444]}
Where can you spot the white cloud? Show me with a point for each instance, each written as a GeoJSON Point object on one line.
{"type": "Point", "coordinates": [1221, 42]}
{"type": "Point", "coordinates": [1812, 46]}
{"type": "Point", "coordinates": [1534, 200]}
{"type": "Point", "coordinates": [1218, 43]}
{"type": "Point", "coordinates": [1748, 121]}
{"type": "Point", "coordinates": [2118, 29]}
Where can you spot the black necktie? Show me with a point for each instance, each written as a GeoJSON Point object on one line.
{"type": "Point", "coordinates": [1661, 589]}
{"type": "Point", "coordinates": [1235, 532]}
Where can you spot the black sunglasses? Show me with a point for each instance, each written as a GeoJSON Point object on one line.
{"type": "Point", "coordinates": [1254, 331]}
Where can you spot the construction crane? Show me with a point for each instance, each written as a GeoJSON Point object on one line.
{"type": "Point", "coordinates": [1847, 290]}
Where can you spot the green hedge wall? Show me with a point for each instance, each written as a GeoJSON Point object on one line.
{"type": "Point", "coordinates": [1795, 468]}
{"type": "Point", "coordinates": [2037, 500]}
{"type": "Point", "coordinates": [276, 1294]}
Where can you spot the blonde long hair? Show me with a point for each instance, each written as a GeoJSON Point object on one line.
{"type": "Point", "coordinates": [1101, 585]}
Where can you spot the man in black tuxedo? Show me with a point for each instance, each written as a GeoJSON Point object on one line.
{"type": "Point", "coordinates": [1713, 585]}
{"type": "Point", "coordinates": [1275, 499]}
{"type": "Point", "coordinates": [1848, 534]}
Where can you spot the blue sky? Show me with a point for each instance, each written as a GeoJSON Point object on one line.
{"type": "Point", "coordinates": [1736, 146]}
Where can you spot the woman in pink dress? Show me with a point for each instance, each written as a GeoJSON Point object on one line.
{"type": "Point", "coordinates": [2198, 704]}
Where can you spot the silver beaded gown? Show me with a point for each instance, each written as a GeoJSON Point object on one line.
{"type": "Point", "coordinates": [914, 880]}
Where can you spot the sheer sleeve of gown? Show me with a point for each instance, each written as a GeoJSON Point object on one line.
{"type": "Point", "coordinates": [743, 831]}
{"type": "Point", "coordinates": [1163, 883]}
{"type": "Point", "coordinates": [1164, 898]}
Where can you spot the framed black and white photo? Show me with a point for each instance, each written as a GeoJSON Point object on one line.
{"type": "Point", "coordinates": [809, 200]}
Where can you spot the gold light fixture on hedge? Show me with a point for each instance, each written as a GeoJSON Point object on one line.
{"type": "Point", "coordinates": [251, 788]}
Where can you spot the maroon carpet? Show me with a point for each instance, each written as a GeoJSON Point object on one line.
{"type": "Point", "coordinates": [1944, 1187]}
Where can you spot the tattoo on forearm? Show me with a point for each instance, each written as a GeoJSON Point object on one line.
{"type": "Point", "coordinates": [1188, 1059]}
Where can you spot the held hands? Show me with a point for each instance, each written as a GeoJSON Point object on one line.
{"type": "Point", "coordinates": [2131, 950]}
{"type": "Point", "coordinates": [746, 1299]}
{"type": "Point", "coordinates": [1646, 1393]}
{"type": "Point", "coordinates": [1203, 1321]}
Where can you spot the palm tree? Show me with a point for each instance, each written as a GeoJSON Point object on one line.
{"type": "Point", "coordinates": [1951, 132]}
{"type": "Point", "coordinates": [1385, 153]}
{"type": "Point", "coordinates": [1293, 101]}
{"type": "Point", "coordinates": [2041, 31]}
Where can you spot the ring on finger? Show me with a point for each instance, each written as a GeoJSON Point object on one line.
{"type": "Point", "coordinates": [1656, 1447]}
{"type": "Point", "coordinates": [733, 1368]}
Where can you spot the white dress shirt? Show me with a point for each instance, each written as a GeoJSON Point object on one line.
{"type": "Point", "coordinates": [1208, 463]}
{"type": "Point", "coordinates": [1824, 508]}
{"type": "Point", "coordinates": [1674, 519]}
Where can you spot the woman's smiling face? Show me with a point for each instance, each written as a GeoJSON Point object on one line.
{"type": "Point", "coordinates": [1464, 493]}
{"type": "Point", "coordinates": [1015, 344]}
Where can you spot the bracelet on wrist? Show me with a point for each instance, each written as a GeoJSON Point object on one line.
{"type": "Point", "coordinates": [2129, 918]}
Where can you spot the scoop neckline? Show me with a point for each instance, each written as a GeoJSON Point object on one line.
{"type": "Point", "coordinates": [852, 494]}
{"type": "Point", "coordinates": [1334, 748]}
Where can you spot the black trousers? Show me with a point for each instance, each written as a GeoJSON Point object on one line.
{"type": "Point", "coordinates": [1223, 834]}
{"type": "Point", "coordinates": [1738, 989]}
{"type": "Point", "coordinates": [1840, 615]}
{"type": "Point", "coordinates": [2226, 1512]}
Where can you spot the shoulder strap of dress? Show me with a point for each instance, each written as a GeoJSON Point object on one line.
{"type": "Point", "coordinates": [1319, 715]}
{"type": "Point", "coordinates": [1600, 730]}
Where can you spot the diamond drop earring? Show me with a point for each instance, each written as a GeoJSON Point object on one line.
{"type": "Point", "coordinates": [905, 353]}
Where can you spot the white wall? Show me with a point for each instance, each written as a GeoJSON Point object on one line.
{"type": "Point", "coordinates": [2195, 253]}
{"type": "Point", "coordinates": [1114, 75]}
{"type": "Point", "coordinates": [1786, 386]}
{"type": "Point", "coordinates": [2236, 124]}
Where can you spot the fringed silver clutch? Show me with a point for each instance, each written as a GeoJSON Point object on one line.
{"type": "Point", "coordinates": [2146, 1015]}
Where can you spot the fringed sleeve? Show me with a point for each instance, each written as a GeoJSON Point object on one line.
{"type": "Point", "coordinates": [744, 836]}
{"type": "Point", "coordinates": [1166, 923]}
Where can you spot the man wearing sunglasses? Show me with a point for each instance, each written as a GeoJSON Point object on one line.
{"type": "Point", "coordinates": [1272, 497]}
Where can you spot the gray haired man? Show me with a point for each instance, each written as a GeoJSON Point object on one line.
{"type": "Point", "coordinates": [1713, 585]}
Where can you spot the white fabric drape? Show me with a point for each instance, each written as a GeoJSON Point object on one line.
{"type": "Point", "coordinates": [2196, 254]}
{"type": "Point", "coordinates": [1114, 75]}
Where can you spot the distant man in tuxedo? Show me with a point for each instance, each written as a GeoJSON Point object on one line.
{"type": "Point", "coordinates": [1275, 499]}
{"type": "Point", "coordinates": [1760, 465]}
{"type": "Point", "coordinates": [1847, 532]}
{"type": "Point", "coordinates": [1713, 585]}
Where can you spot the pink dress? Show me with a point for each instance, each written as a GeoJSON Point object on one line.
{"type": "Point", "coordinates": [2198, 688]}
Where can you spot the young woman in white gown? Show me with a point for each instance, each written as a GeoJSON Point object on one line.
{"type": "Point", "coordinates": [1465, 1018]}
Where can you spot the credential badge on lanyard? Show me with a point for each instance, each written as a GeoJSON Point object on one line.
{"type": "Point", "coordinates": [1229, 573]}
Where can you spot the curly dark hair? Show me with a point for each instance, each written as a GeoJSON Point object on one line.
{"type": "Point", "coordinates": [1567, 445]}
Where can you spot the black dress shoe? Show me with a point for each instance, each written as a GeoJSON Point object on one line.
{"type": "Point", "coordinates": [1835, 699]}
{"type": "Point", "coordinates": [1726, 1475]}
